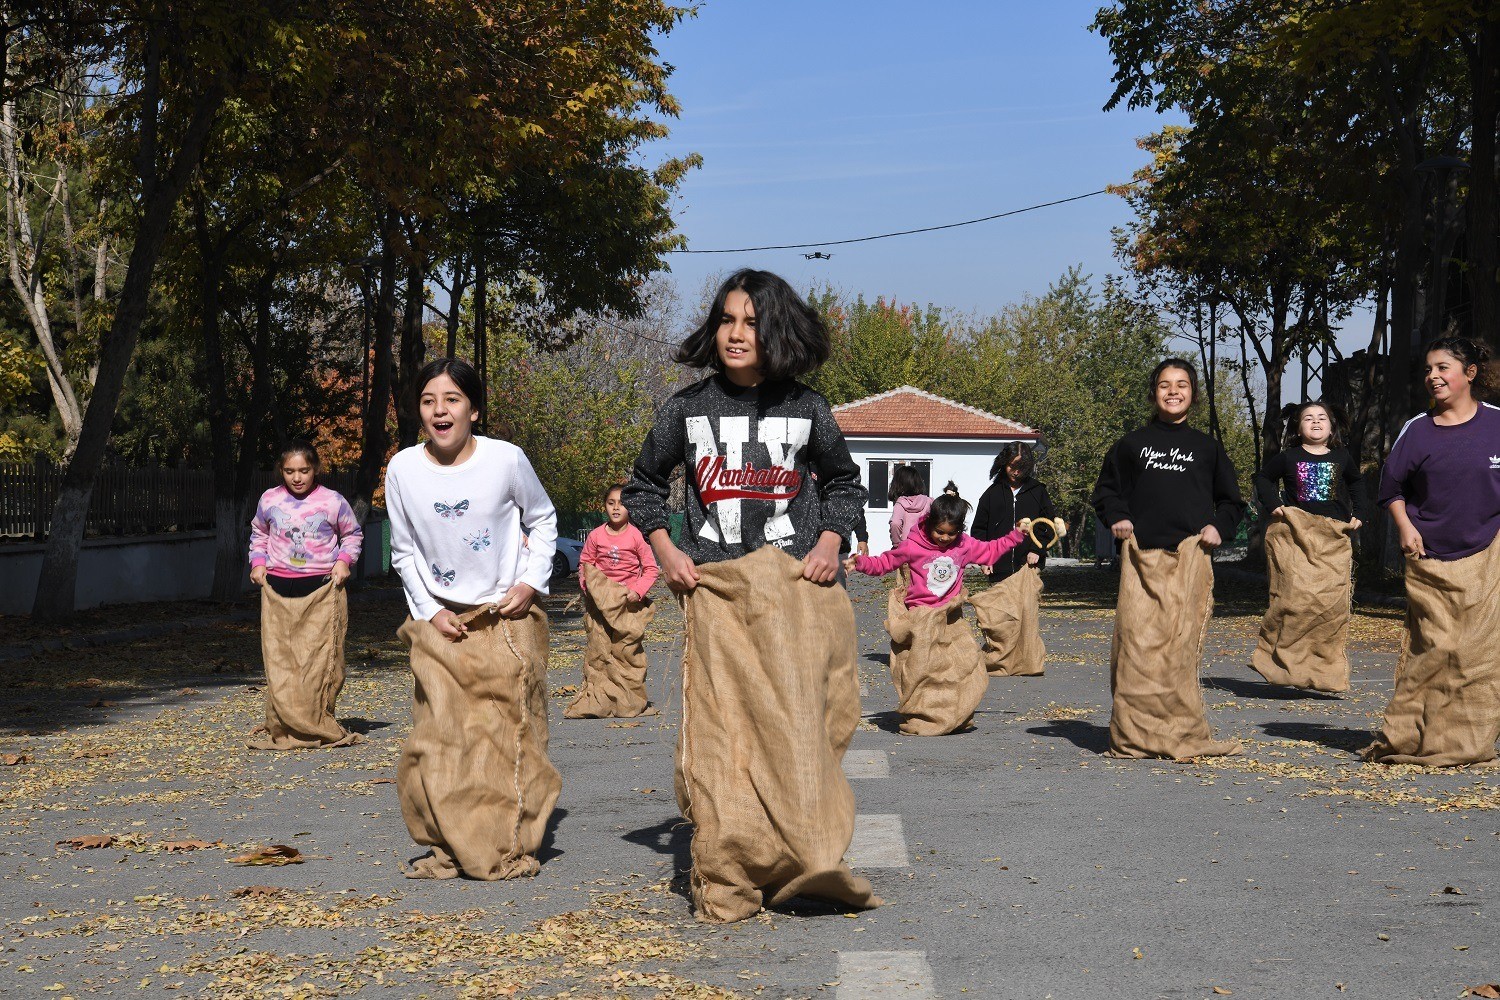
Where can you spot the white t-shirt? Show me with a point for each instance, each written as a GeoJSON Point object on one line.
{"type": "Point", "coordinates": [456, 529]}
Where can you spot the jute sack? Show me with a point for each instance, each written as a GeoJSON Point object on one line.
{"type": "Point", "coordinates": [1305, 631]}
{"type": "Point", "coordinates": [935, 666]}
{"type": "Point", "coordinates": [614, 663]}
{"type": "Point", "coordinates": [302, 643]}
{"type": "Point", "coordinates": [1166, 600]}
{"type": "Point", "coordinates": [1009, 615]}
{"type": "Point", "coordinates": [1446, 707]}
{"type": "Point", "coordinates": [770, 700]}
{"type": "Point", "coordinates": [474, 780]}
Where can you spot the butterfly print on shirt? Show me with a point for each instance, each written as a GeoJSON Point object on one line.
{"type": "Point", "coordinates": [451, 513]}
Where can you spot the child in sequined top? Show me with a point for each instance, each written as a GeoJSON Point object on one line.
{"type": "Point", "coordinates": [1313, 471]}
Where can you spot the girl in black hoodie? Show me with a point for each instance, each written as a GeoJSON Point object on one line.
{"type": "Point", "coordinates": [1012, 495]}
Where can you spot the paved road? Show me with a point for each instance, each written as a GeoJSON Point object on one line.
{"type": "Point", "coordinates": [1016, 860]}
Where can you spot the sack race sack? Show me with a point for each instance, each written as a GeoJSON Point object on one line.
{"type": "Point", "coordinates": [770, 699]}
{"type": "Point", "coordinates": [1166, 600]}
{"type": "Point", "coordinates": [1305, 631]}
{"type": "Point", "coordinates": [474, 780]}
{"type": "Point", "coordinates": [1009, 615]}
{"type": "Point", "coordinates": [302, 643]}
{"type": "Point", "coordinates": [614, 662]}
{"type": "Point", "coordinates": [935, 666]}
{"type": "Point", "coordinates": [1445, 710]}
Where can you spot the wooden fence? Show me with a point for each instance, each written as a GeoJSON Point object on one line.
{"type": "Point", "coordinates": [127, 501]}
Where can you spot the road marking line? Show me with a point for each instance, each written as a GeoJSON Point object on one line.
{"type": "Point", "coordinates": [879, 842]}
{"type": "Point", "coordinates": [876, 975]}
{"type": "Point", "coordinates": [867, 764]}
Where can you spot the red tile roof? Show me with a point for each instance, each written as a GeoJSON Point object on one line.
{"type": "Point", "coordinates": [909, 412]}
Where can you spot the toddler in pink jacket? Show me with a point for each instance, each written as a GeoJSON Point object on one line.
{"type": "Point", "coordinates": [909, 501]}
{"type": "Point", "coordinates": [937, 553]}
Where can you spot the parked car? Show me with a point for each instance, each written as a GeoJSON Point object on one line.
{"type": "Point", "coordinates": [565, 560]}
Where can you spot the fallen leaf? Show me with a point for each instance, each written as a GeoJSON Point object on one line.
{"type": "Point", "coordinates": [645, 791]}
{"type": "Point", "coordinates": [90, 842]}
{"type": "Point", "coordinates": [1491, 991]}
{"type": "Point", "coordinates": [190, 845]}
{"type": "Point", "coordinates": [621, 725]}
{"type": "Point", "coordinates": [12, 759]}
{"type": "Point", "coordinates": [1383, 937]}
{"type": "Point", "coordinates": [92, 753]}
{"type": "Point", "coordinates": [1223, 992]}
{"type": "Point", "coordinates": [1453, 890]}
{"type": "Point", "coordinates": [1137, 953]}
{"type": "Point", "coordinates": [257, 890]}
{"type": "Point", "coordinates": [101, 703]}
{"type": "Point", "coordinates": [383, 781]}
{"type": "Point", "coordinates": [87, 682]}
{"type": "Point", "coordinates": [275, 854]}
{"type": "Point", "coordinates": [187, 691]}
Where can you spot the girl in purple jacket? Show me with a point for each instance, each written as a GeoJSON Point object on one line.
{"type": "Point", "coordinates": [937, 553]}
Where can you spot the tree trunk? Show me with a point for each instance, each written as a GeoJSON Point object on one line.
{"type": "Point", "coordinates": [413, 353]}
{"type": "Point", "coordinates": [482, 338]}
{"type": "Point", "coordinates": [57, 585]}
{"type": "Point", "coordinates": [1484, 184]}
{"type": "Point", "coordinates": [377, 439]}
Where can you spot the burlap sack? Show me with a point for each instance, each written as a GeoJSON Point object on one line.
{"type": "Point", "coordinates": [770, 699]}
{"type": "Point", "coordinates": [474, 779]}
{"type": "Point", "coordinates": [614, 662]}
{"type": "Point", "coordinates": [1304, 633]}
{"type": "Point", "coordinates": [1009, 615]}
{"type": "Point", "coordinates": [1446, 707]}
{"type": "Point", "coordinates": [1166, 600]}
{"type": "Point", "coordinates": [935, 665]}
{"type": "Point", "coordinates": [302, 643]}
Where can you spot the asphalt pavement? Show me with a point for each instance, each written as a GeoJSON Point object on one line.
{"type": "Point", "coordinates": [1015, 859]}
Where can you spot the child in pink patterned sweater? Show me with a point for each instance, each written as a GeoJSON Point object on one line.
{"type": "Point", "coordinates": [619, 550]}
{"type": "Point", "coordinates": [303, 535]}
{"type": "Point", "coordinates": [937, 553]}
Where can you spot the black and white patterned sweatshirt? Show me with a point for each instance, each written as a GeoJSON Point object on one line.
{"type": "Point", "coordinates": [751, 457]}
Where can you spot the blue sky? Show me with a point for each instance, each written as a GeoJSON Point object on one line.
{"type": "Point", "coordinates": [821, 121]}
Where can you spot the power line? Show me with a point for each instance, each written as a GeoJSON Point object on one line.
{"type": "Point", "coordinates": [906, 232]}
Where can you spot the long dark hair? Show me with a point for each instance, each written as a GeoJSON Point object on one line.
{"type": "Point", "coordinates": [1292, 436]}
{"type": "Point", "coordinates": [905, 482]}
{"type": "Point", "coordinates": [1468, 352]}
{"type": "Point", "coordinates": [1009, 452]}
{"type": "Point", "coordinates": [790, 336]}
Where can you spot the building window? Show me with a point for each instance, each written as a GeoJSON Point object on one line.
{"type": "Point", "coordinates": [879, 478]}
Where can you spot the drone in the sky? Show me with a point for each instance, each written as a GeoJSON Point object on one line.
{"type": "Point", "coordinates": [818, 255]}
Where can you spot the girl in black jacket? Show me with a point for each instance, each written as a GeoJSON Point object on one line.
{"type": "Point", "coordinates": [1012, 495]}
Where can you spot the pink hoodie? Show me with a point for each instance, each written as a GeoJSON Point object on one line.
{"type": "Point", "coordinates": [908, 511]}
{"type": "Point", "coordinates": [934, 571]}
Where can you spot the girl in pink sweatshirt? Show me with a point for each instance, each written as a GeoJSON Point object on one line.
{"type": "Point", "coordinates": [937, 553]}
{"type": "Point", "coordinates": [908, 502]}
{"type": "Point", "coordinates": [618, 550]}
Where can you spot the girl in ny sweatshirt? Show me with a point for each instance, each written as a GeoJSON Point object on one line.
{"type": "Point", "coordinates": [937, 552]}
{"type": "Point", "coordinates": [1166, 481]}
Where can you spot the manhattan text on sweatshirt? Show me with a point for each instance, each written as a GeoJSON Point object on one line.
{"type": "Point", "coordinates": [1170, 481]}
{"type": "Point", "coordinates": [1449, 476]}
{"type": "Point", "coordinates": [750, 456]}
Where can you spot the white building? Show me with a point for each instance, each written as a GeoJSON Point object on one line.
{"type": "Point", "coordinates": [944, 440]}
